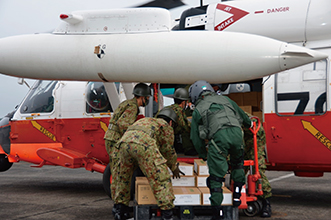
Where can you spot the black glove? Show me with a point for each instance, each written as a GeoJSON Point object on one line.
{"type": "Point", "coordinates": [176, 173]}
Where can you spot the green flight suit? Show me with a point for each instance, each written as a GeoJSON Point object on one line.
{"type": "Point", "coordinates": [224, 135]}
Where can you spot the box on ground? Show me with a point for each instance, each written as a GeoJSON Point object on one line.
{"type": "Point", "coordinates": [205, 194]}
{"type": "Point", "coordinates": [200, 167]}
{"type": "Point", "coordinates": [187, 196]}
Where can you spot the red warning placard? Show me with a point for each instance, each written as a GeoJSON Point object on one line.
{"type": "Point", "coordinates": [236, 15]}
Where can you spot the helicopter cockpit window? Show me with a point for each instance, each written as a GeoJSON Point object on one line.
{"type": "Point", "coordinates": [40, 98]}
{"type": "Point", "coordinates": [96, 98]}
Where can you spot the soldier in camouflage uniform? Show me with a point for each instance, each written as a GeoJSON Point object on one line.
{"type": "Point", "coordinates": [249, 155]}
{"type": "Point", "coordinates": [124, 116]}
{"type": "Point", "coordinates": [147, 144]}
{"type": "Point", "coordinates": [183, 127]}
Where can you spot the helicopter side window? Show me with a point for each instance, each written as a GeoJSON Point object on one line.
{"type": "Point", "coordinates": [96, 98]}
{"type": "Point", "coordinates": [40, 98]}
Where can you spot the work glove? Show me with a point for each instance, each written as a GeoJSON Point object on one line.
{"type": "Point", "coordinates": [176, 173]}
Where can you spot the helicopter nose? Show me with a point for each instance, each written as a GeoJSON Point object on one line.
{"type": "Point", "coordinates": [5, 132]}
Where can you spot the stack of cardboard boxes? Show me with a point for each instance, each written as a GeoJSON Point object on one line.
{"type": "Point", "coordinates": [190, 189]}
{"type": "Point", "coordinates": [250, 102]}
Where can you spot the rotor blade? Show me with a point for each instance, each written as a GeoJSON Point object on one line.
{"type": "Point", "coordinates": [167, 4]}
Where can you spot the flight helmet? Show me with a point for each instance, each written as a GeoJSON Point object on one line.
{"type": "Point", "coordinates": [141, 89]}
{"type": "Point", "coordinates": [181, 94]}
{"type": "Point", "coordinates": [197, 88]}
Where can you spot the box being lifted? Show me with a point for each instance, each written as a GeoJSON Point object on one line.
{"type": "Point", "coordinates": [183, 195]}
{"type": "Point", "coordinates": [186, 168]}
{"type": "Point", "coordinates": [144, 194]}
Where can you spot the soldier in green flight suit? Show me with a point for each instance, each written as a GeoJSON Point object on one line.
{"type": "Point", "coordinates": [148, 143]}
{"type": "Point", "coordinates": [183, 127]}
{"type": "Point", "coordinates": [249, 155]}
{"type": "Point", "coordinates": [218, 119]}
{"type": "Point", "coordinates": [124, 116]}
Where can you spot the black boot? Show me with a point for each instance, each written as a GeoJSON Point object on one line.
{"type": "Point", "coordinates": [217, 212]}
{"type": "Point", "coordinates": [114, 210]}
{"type": "Point", "coordinates": [266, 208]}
{"type": "Point", "coordinates": [166, 214]}
{"type": "Point", "coordinates": [121, 212]}
{"type": "Point", "coordinates": [237, 194]}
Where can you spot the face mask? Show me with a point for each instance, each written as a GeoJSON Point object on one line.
{"type": "Point", "coordinates": [145, 102]}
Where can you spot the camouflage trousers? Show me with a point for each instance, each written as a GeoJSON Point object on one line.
{"type": "Point", "coordinates": [152, 164]}
{"type": "Point", "coordinates": [249, 155]}
{"type": "Point", "coordinates": [113, 157]}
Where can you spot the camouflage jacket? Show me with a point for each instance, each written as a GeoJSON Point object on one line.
{"type": "Point", "coordinates": [153, 132]}
{"type": "Point", "coordinates": [183, 125]}
{"type": "Point", "coordinates": [124, 116]}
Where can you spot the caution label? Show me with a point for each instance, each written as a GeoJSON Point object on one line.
{"type": "Point", "coordinates": [236, 15]}
{"type": "Point", "coordinates": [43, 130]}
{"type": "Point", "coordinates": [316, 133]}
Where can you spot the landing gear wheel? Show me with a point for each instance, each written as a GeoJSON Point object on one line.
{"type": "Point", "coordinates": [106, 180]}
{"type": "Point", "coordinates": [107, 184]}
{"type": "Point", "coordinates": [4, 163]}
{"type": "Point", "coordinates": [254, 208]}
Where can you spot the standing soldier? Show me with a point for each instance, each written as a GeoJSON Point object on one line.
{"type": "Point", "coordinates": [124, 116]}
{"type": "Point", "coordinates": [249, 155]}
{"type": "Point", "coordinates": [148, 143]}
{"type": "Point", "coordinates": [183, 127]}
{"type": "Point", "coordinates": [218, 119]}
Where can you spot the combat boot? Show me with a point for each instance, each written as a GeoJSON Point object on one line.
{"type": "Point", "coordinates": [217, 213]}
{"type": "Point", "coordinates": [237, 194]}
{"type": "Point", "coordinates": [266, 208]}
{"type": "Point", "coordinates": [121, 212]}
{"type": "Point", "coordinates": [166, 214]}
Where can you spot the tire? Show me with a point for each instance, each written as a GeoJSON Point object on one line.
{"type": "Point", "coordinates": [4, 163]}
{"type": "Point", "coordinates": [107, 185]}
{"type": "Point", "coordinates": [106, 180]}
{"type": "Point", "coordinates": [254, 208]}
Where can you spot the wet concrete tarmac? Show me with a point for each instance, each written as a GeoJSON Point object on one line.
{"type": "Point", "coordinates": [60, 193]}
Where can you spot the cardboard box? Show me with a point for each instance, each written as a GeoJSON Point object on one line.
{"type": "Point", "coordinates": [200, 167]}
{"type": "Point", "coordinates": [201, 181]}
{"type": "Point", "coordinates": [186, 181]}
{"type": "Point", "coordinates": [205, 194]}
{"type": "Point", "coordinates": [237, 98]}
{"type": "Point", "coordinates": [247, 108]}
{"type": "Point", "coordinates": [144, 194]}
{"type": "Point", "coordinates": [186, 168]}
{"type": "Point", "coordinates": [187, 196]}
{"type": "Point", "coordinates": [259, 115]}
{"type": "Point", "coordinates": [250, 98]}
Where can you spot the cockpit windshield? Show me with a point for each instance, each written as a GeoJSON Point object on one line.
{"type": "Point", "coordinates": [40, 98]}
{"type": "Point", "coordinates": [96, 98]}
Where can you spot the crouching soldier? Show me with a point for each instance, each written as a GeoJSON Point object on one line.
{"type": "Point", "coordinates": [148, 143]}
